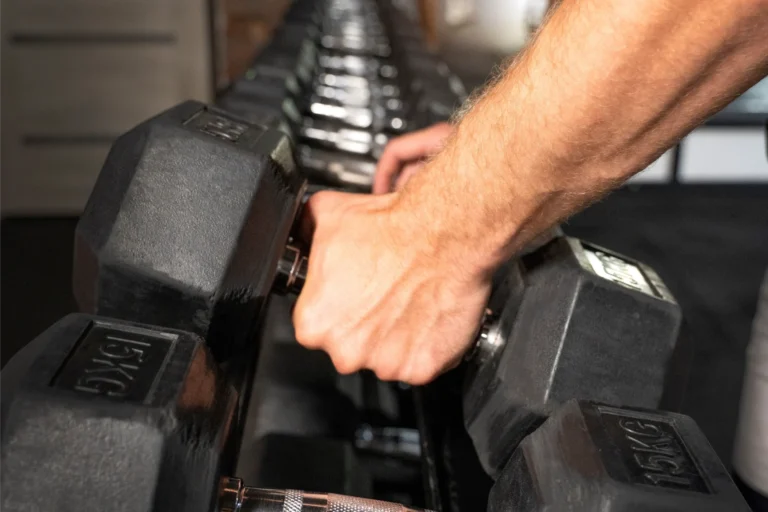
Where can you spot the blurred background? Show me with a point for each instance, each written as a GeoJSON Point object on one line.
{"type": "Point", "coordinates": [77, 73]}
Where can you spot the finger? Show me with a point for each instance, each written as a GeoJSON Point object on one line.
{"type": "Point", "coordinates": [305, 329]}
{"type": "Point", "coordinates": [408, 171]}
{"type": "Point", "coordinates": [413, 146]}
{"type": "Point", "coordinates": [313, 209]}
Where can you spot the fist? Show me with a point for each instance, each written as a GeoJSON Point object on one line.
{"type": "Point", "coordinates": [379, 294]}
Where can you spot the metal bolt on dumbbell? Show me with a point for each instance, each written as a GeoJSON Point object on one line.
{"type": "Point", "coordinates": [291, 270]}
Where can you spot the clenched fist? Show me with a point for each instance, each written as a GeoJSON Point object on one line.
{"type": "Point", "coordinates": [380, 293]}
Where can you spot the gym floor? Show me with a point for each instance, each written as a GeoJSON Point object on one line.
{"type": "Point", "coordinates": [709, 243]}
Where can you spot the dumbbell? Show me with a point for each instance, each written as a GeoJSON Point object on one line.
{"type": "Point", "coordinates": [123, 416]}
{"type": "Point", "coordinates": [349, 80]}
{"type": "Point", "coordinates": [339, 170]}
{"type": "Point", "coordinates": [276, 79]}
{"type": "Point", "coordinates": [333, 61]}
{"type": "Point", "coordinates": [350, 84]}
{"type": "Point", "coordinates": [283, 55]}
{"type": "Point", "coordinates": [114, 414]}
{"type": "Point", "coordinates": [347, 430]}
{"type": "Point", "coordinates": [570, 320]}
{"type": "Point", "coordinates": [354, 29]}
{"type": "Point", "coordinates": [372, 69]}
{"type": "Point", "coordinates": [590, 456]}
{"type": "Point", "coordinates": [318, 138]}
{"type": "Point", "coordinates": [386, 116]}
{"type": "Point", "coordinates": [338, 156]}
{"type": "Point", "coordinates": [353, 168]}
{"type": "Point", "coordinates": [324, 133]}
{"type": "Point", "coordinates": [329, 35]}
{"type": "Point", "coordinates": [189, 227]}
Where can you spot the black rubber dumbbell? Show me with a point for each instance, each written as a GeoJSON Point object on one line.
{"type": "Point", "coordinates": [589, 456]}
{"type": "Point", "coordinates": [174, 234]}
{"type": "Point", "coordinates": [193, 212]}
{"type": "Point", "coordinates": [329, 153]}
{"type": "Point", "coordinates": [353, 168]}
{"type": "Point", "coordinates": [114, 414]}
{"type": "Point", "coordinates": [572, 320]}
{"type": "Point", "coordinates": [279, 79]}
{"type": "Point", "coordinates": [354, 28]}
{"type": "Point", "coordinates": [111, 413]}
{"type": "Point", "coordinates": [293, 61]}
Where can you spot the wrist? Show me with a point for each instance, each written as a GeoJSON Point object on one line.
{"type": "Point", "coordinates": [486, 195]}
{"type": "Point", "coordinates": [451, 218]}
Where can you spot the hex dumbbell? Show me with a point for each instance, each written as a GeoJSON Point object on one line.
{"type": "Point", "coordinates": [193, 213]}
{"type": "Point", "coordinates": [114, 414]}
{"type": "Point", "coordinates": [118, 415]}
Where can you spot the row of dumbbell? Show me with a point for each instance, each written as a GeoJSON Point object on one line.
{"type": "Point", "coordinates": [116, 415]}
{"type": "Point", "coordinates": [187, 232]}
{"type": "Point", "coordinates": [334, 79]}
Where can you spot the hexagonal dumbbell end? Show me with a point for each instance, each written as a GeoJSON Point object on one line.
{"type": "Point", "coordinates": [578, 321]}
{"type": "Point", "coordinates": [116, 413]}
{"type": "Point", "coordinates": [187, 224]}
{"type": "Point", "coordinates": [589, 456]}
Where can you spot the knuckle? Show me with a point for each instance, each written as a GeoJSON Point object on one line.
{"type": "Point", "coordinates": [420, 377]}
{"type": "Point", "coordinates": [309, 338]}
{"type": "Point", "coordinates": [387, 372]}
{"type": "Point", "coordinates": [346, 362]}
{"type": "Point", "coordinates": [421, 371]}
{"type": "Point", "coordinates": [307, 332]}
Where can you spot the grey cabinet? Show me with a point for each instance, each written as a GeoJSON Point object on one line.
{"type": "Point", "coordinates": [77, 73]}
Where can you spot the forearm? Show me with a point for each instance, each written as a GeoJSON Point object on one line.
{"type": "Point", "coordinates": [604, 89]}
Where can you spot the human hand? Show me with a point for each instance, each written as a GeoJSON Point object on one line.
{"type": "Point", "coordinates": [405, 155]}
{"type": "Point", "coordinates": [385, 290]}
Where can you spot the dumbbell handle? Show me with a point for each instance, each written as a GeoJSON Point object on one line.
{"type": "Point", "coordinates": [292, 272]}
{"type": "Point", "coordinates": [235, 497]}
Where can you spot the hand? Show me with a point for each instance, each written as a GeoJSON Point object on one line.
{"type": "Point", "coordinates": [382, 292]}
{"type": "Point", "coordinates": [405, 155]}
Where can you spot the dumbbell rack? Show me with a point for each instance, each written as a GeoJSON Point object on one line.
{"type": "Point", "coordinates": [343, 77]}
{"type": "Point", "coordinates": [186, 376]}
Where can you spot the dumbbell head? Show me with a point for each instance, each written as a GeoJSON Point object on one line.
{"type": "Point", "coordinates": [278, 73]}
{"type": "Point", "coordinates": [186, 224]}
{"type": "Point", "coordinates": [118, 414]}
{"type": "Point", "coordinates": [349, 172]}
{"type": "Point", "coordinates": [123, 416]}
{"type": "Point", "coordinates": [589, 456]}
{"type": "Point", "coordinates": [578, 321]}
